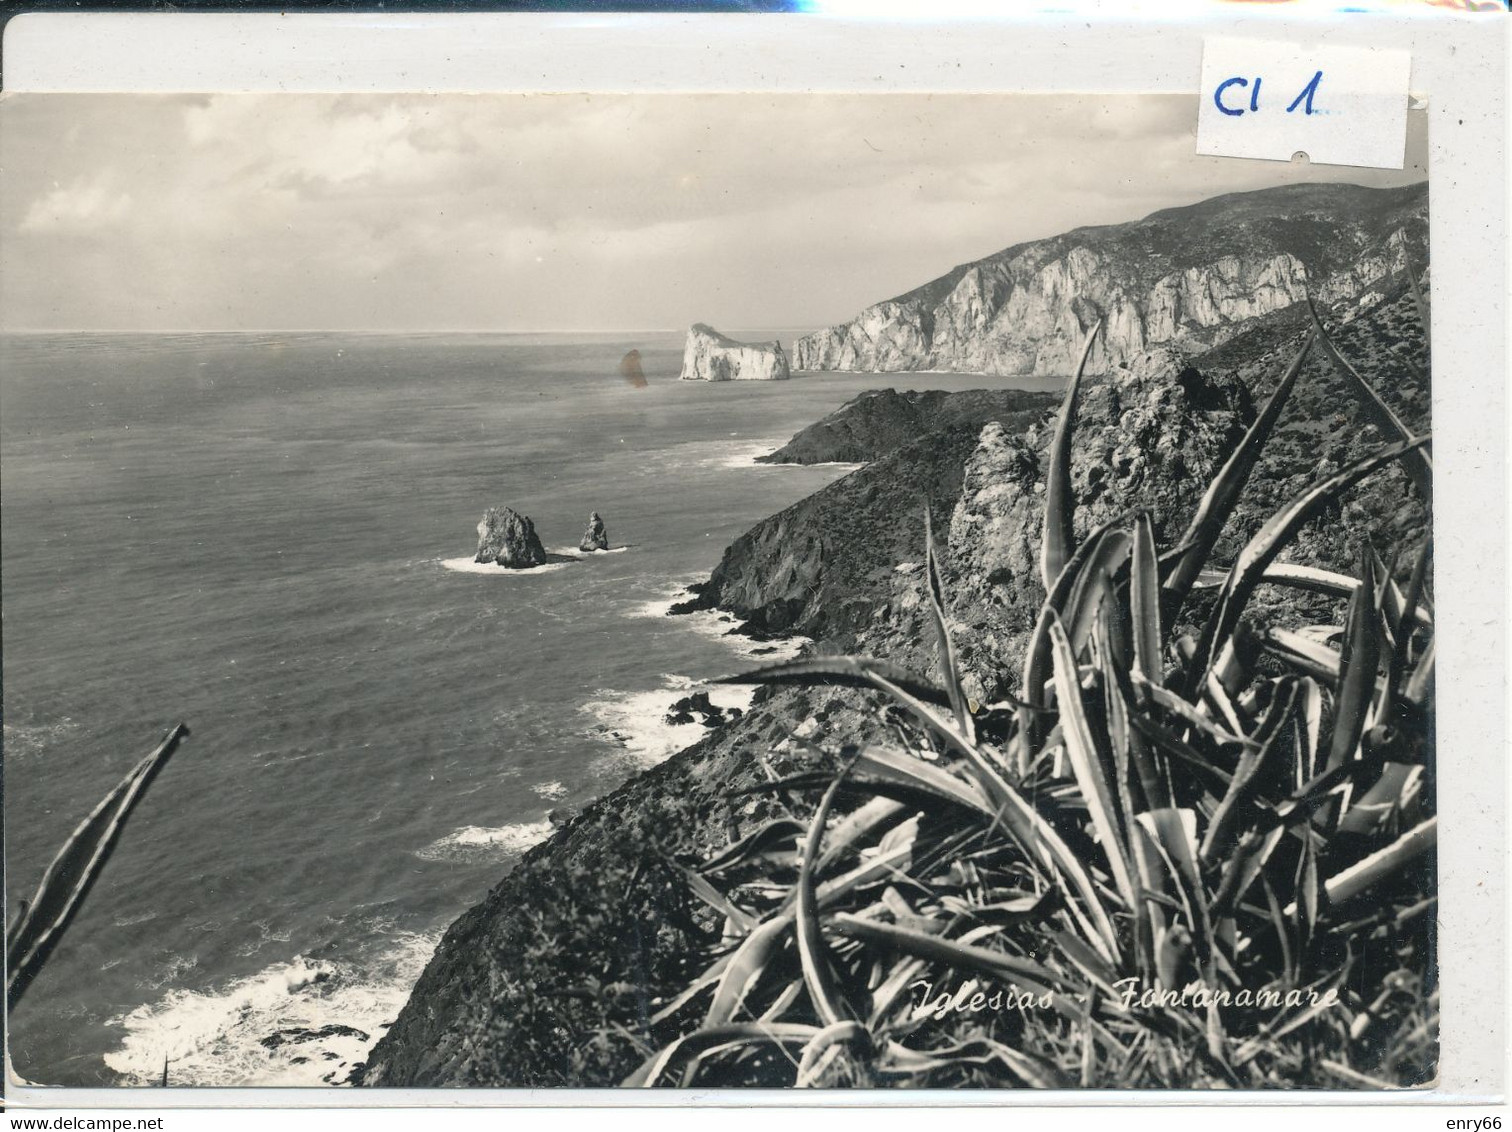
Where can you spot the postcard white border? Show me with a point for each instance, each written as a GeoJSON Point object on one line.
{"type": "Point", "coordinates": [1458, 62]}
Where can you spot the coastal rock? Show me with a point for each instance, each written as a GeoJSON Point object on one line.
{"type": "Point", "coordinates": [878, 421]}
{"type": "Point", "coordinates": [710, 356]}
{"type": "Point", "coordinates": [507, 538]}
{"type": "Point", "coordinates": [299, 1034]}
{"type": "Point", "coordinates": [1193, 277]}
{"type": "Point", "coordinates": [595, 537]}
{"type": "Point", "coordinates": [698, 708]}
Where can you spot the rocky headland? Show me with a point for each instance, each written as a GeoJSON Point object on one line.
{"type": "Point", "coordinates": [710, 356]}
{"type": "Point", "coordinates": [507, 538]}
{"type": "Point", "coordinates": [876, 422]}
{"type": "Point", "coordinates": [1192, 277]}
{"type": "Point", "coordinates": [558, 975]}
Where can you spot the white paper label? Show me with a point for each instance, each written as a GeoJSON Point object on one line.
{"type": "Point", "coordinates": [1272, 99]}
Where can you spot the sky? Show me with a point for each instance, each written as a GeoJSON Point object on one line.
{"type": "Point", "coordinates": [562, 212]}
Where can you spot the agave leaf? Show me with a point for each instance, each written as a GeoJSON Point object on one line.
{"type": "Point", "coordinates": [1060, 507]}
{"type": "Point", "coordinates": [1032, 977]}
{"type": "Point", "coordinates": [1174, 705]}
{"type": "Point", "coordinates": [701, 1041]}
{"type": "Point", "coordinates": [1144, 600]}
{"type": "Point", "coordinates": [747, 964]}
{"type": "Point", "coordinates": [704, 981]}
{"type": "Point", "coordinates": [857, 824]}
{"type": "Point", "coordinates": [1396, 785]}
{"type": "Point", "coordinates": [1424, 311]}
{"type": "Point", "coordinates": [817, 976]}
{"type": "Point", "coordinates": [740, 920]}
{"type": "Point", "coordinates": [1419, 685]}
{"type": "Point", "coordinates": [886, 996]}
{"type": "Point", "coordinates": [1159, 737]}
{"type": "Point", "coordinates": [1087, 766]}
{"type": "Point", "coordinates": [937, 781]}
{"type": "Point", "coordinates": [1036, 835]}
{"type": "Point", "coordinates": [67, 880]}
{"type": "Point", "coordinates": [1173, 834]}
{"type": "Point", "coordinates": [1220, 829]}
{"type": "Point", "coordinates": [1358, 667]}
{"type": "Point", "coordinates": [1037, 653]}
{"type": "Point", "coordinates": [1269, 541]}
{"type": "Point", "coordinates": [1244, 865]}
{"type": "Point", "coordinates": [1303, 652]}
{"type": "Point", "coordinates": [1196, 546]}
{"type": "Point", "coordinates": [1410, 606]}
{"type": "Point", "coordinates": [827, 1040]}
{"type": "Point", "coordinates": [1094, 584]}
{"type": "Point", "coordinates": [1118, 737]}
{"type": "Point", "coordinates": [949, 666]}
{"type": "Point", "coordinates": [1085, 588]}
{"type": "Point", "coordinates": [1315, 580]}
{"type": "Point", "coordinates": [750, 960]}
{"type": "Point", "coordinates": [1417, 463]}
{"type": "Point", "coordinates": [773, 835]}
{"type": "Point", "coordinates": [783, 1002]}
{"type": "Point", "coordinates": [841, 671]}
{"type": "Point", "coordinates": [1384, 863]}
{"type": "Point", "coordinates": [1268, 1035]}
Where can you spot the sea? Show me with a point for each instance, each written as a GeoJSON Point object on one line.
{"type": "Point", "coordinates": [269, 537]}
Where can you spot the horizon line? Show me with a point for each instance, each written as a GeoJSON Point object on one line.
{"type": "Point", "coordinates": [348, 330]}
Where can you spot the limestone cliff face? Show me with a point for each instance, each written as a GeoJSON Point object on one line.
{"type": "Point", "coordinates": [710, 356]}
{"type": "Point", "coordinates": [1192, 277]}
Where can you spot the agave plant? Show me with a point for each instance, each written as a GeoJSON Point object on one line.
{"type": "Point", "coordinates": [1180, 855]}
{"type": "Point", "coordinates": [40, 923]}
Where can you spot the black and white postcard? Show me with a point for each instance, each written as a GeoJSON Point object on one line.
{"type": "Point", "coordinates": [713, 590]}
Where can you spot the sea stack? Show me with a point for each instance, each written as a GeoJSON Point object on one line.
{"type": "Point", "coordinates": [507, 538]}
{"type": "Point", "coordinates": [710, 356]}
{"type": "Point", "coordinates": [595, 537]}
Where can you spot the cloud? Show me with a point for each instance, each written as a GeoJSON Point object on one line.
{"type": "Point", "coordinates": [522, 211]}
{"type": "Point", "coordinates": [86, 205]}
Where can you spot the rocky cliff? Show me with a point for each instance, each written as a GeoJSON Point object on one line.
{"type": "Point", "coordinates": [1193, 277]}
{"type": "Point", "coordinates": [710, 356]}
{"type": "Point", "coordinates": [879, 421]}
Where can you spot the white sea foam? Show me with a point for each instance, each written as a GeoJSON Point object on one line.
{"type": "Point", "coordinates": [261, 1030]}
{"type": "Point", "coordinates": [468, 566]}
{"type": "Point", "coordinates": [579, 552]}
{"type": "Point", "coordinates": [476, 843]}
{"type": "Point", "coordinates": [636, 722]}
{"type": "Point", "coordinates": [716, 624]}
{"type": "Point", "coordinates": [551, 791]}
{"type": "Point", "coordinates": [743, 453]}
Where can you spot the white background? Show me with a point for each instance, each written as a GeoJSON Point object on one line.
{"type": "Point", "coordinates": [1458, 64]}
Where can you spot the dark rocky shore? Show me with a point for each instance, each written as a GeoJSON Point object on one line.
{"type": "Point", "coordinates": [554, 979]}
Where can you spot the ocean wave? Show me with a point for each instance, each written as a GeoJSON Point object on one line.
{"type": "Point", "coordinates": [22, 740]}
{"type": "Point", "coordinates": [636, 722]}
{"type": "Point", "coordinates": [468, 566]}
{"type": "Point", "coordinates": [743, 454]}
{"type": "Point", "coordinates": [299, 1022]}
{"type": "Point", "coordinates": [476, 843]}
{"type": "Point", "coordinates": [551, 791]}
{"type": "Point", "coordinates": [718, 625]}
